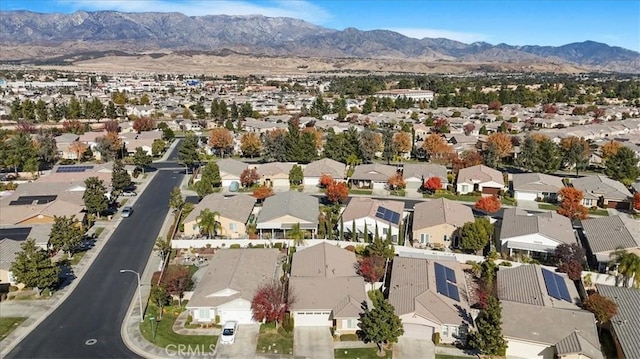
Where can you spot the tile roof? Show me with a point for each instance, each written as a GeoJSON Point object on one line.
{"type": "Point", "coordinates": [323, 260]}
{"type": "Point", "coordinates": [337, 294]}
{"type": "Point", "coordinates": [424, 170]}
{"type": "Point", "coordinates": [275, 169]}
{"type": "Point", "coordinates": [439, 211]}
{"type": "Point", "coordinates": [598, 186]}
{"type": "Point", "coordinates": [536, 182]}
{"type": "Point", "coordinates": [290, 203]}
{"type": "Point", "coordinates": [9, 248]}
{"type": "Point", "coordinates": [360, 207]}
{"type": "Point", "coordinates": [373, 172]}
{"type": "Point", "coordinates": [230, 166]}
{"type": "Point", "coordinates": [547, 325]}
{"type": "Point", "coordinates": [237, 208]}
{"type": "Point", "coordinates": [413, 290]}
{"type": "Point", "coordinates": [576, 343]}
{"type": "Point", "coordinates": [335, 169]}
{"type": "Point", "coordinates": [517, 223]}
{"type": "Point", "coordinates": [480, 173]}
{"type": "Point", "coordinates": [525, 284]}
{"type": "Point", "coordinates": [607, 234]}
{"type": "Point", "coordinates": [241, 270]}
{"type": "Point", "coordinates": [626, 324]}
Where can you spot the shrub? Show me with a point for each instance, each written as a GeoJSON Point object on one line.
{"type": "Point", "coordinates": [287, 323]}
{"type": "Point", "coordinates": [13, 288]}
{"type": "Point", "coordinates": [217, 319]}
{"type": "Point", "coordinates": [350, 248]}
{"type": "Point", "coordinates": [277, 245]}
{"type": "Point", "coordinates": [436, 338]}
{"type": "Point", "coordinates": [234, 246]}
{"type": "Point", "coordinates": [349, 338]}
{"type": "Point", "coordinates": [189, 320]}
{"type": "Point", "coordinates": [505, 264]}
{"type": "Point", "coordinates": [259, 246]}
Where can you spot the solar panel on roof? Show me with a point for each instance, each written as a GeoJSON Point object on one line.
{"type": "Point", "coordinates": [444, 285]}
{"type": "Point", "coordinates": [562, 287]}
{"type": "Point", "coordinates": [451, 275]}
{"type": "Point", "coordinates": [441, 280]}
{"type": "Point", "coordinates": [17, 234]}
{"type": "Point", "coordinates": [453, 292]}
{"type": "Point", "coordinates": [396, 218]}
{"type": "Point", "coordinates": [550, 283]}
{"type": "Point", "coordinates": [72, 169]}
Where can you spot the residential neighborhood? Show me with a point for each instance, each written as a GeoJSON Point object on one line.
{"type": "Point", "coordinates": [308, 224]}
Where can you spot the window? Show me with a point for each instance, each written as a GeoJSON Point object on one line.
{"type": "Point", "coordinates": [384, 231]}
{"type": "Point", "coordinates": [454, 331]}
{"type": "Point", "coordinates": [424, 238]}
{"type": "Point", "coordinates": [204, 313]}
{"type": "Point", "coordinates": [464, 188]}
{"type": "Point", "coordinates": [445, 331]}
{"type": "Point", "coordinates": [233, 227]}
{"type": "Point", "coordinates": [350, 323]}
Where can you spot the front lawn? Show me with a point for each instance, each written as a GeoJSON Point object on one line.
{"type": "Point", "coordinates": [165, 334]}
{"type": "Point", "coordinates": [453, 196]}
{"type": "Point", "coordinates": [361, 191]}
{"type": "Point", "coordinates": [595, 212]}
{"type": "Point", "coordinates": [447, 356]}
{"type": "Point", "coordinates": [361, 353]}
{"type": "Point", "coordinates": [8, 324]}
{"type": "Point", "coordinates": [274, 341]}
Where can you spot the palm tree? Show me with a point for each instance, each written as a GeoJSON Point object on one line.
{"type": "Point", "coordinates": [297, 234]}
{"type": "Point", "coordinates": [207, 221]}
{"type": "Point", "coordinates": [163, 246]}
{"type": "Point", "coordinates": [628, 266]}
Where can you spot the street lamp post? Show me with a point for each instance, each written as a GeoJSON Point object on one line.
{"type": "Point", "coordinates": [139, 291]}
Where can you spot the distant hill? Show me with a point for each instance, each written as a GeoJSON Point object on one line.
{"type": "Point", "coordinates": [66, 35]}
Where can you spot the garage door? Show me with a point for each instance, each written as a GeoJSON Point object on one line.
{"type": "Point", "coordinates": [417, 331]}
{"type": "Point", "coordinates": [525, 196]}
{"type": "Point", "coordinates": [311, 319]}
{"type": "Point", "coordinates": [618, 205]}
{"type": "Point", "coordinates": [242, 316]}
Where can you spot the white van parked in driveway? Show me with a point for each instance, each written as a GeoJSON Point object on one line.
{"type": "Point", "coordinates": [229, 330]}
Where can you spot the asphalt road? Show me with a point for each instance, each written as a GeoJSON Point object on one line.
{"type": "Point", "coordinates": [98, 305]}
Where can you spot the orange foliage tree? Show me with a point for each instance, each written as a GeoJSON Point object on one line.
{"type": "Point", "coordinates": [468, 158]}
{"type": "Point", "coordinates": [317, 135]}
{"type": "Point", "coordinates": [221, 140]}
{"type": "Point", "coordinates": [144, 124]}
{"type": "Point", "coordinates": [337, 192]}
{"type": "Point", "coordinates": [636, 201]}
{"type": "Point", "coordinates": [401, 142]}
{"type": "Point", "coordinates": [571, 205]}
{"type": "Point", "coordinates": [262, 192]}
{"type": "Point", "coordinates": [610, 148]}
{"type": "Point", "coordinates": [489, 204]}
{"type": "Point", "coordinates": [325, 180]}
{"type": "Point", "coordinates": [436, 147]}
{"type": "Point", "coordinates": [433, 184]}
{"type": "Point", "coordinates": [250, 144]}
{"type": "Point", "coordinates": [78, 148]}
{"type": "Point", "coordinates": [73, 126]}
{"type": "Point", "coordinates": [249, 176]}
{"type": "Point", "coordinates": [396, 181]}
{"type": "Point", "coordinates": [502, 143]}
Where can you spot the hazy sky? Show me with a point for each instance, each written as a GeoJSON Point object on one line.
{"type": "Point", "coordinates": [515, 22]}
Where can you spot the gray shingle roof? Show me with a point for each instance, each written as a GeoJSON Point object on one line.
{"type": "Point", "coordinates": [480, 173]}
{"type": "Point", "coordinates": [241, 270]}
{"type": "Point", "coordinates": [360, 207]}
{"type": "Point", "coordinates": [516, 223]}
{"type": "Point", "coordinates": [9, 248]}
{"type": "Point", "coordinates": [576, 343]}
{"type": "Point", "coordinates": [439, 211]}
{"type": "Point", "coordinates": [425, 170]}
{"type": "Point", "coordinates": [323, 260]}
{"type": "Point", "coordinates": [231, 166]}
{"type": "Point", "coordinates": [525, 284]}
{"type": "Point", "coordinates": [626, 324]}
{"type": "Point", "coordinates": [536, 182]}
{"type": "Point", "coordinates": [373, 172]}
{"type": "Point", "coordinates": [606, 234]}
{"type": "Point", "coordinates": [290, 203]}
{"type": "Point", "coordinates": [596, 186]}
{"type": "Point", "coordinates": [333, 168]}
{"type": "Point", "coordinates": [237, 208]}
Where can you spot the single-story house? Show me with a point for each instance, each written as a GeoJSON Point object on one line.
{"type": "Point", "coordinates": [533, 186]}
{"type": "Point", "coordinates": [605, 235]}
{"type": "Point", "coordinates": [328, 291]}
{"type": "Point", "coordinates": [372, 214]}
{"type": "Point", "coordinates": [275, 174]}
{"type": "Point", "coordinates": [541, 316]}
{"type": "Point", "coordinates": [229, 282]}
{"type": "Point", "coordinates": [326, 166]}
{"type": "Point", "coordinates": [604, 192]}
{"type": "Point", "coordinates": [535, 235]}
{"type": "Point", "coordinates": [430, 297]}
{"type": "Point", "coordinates": [415, 174]}
{"type": "Point", "coordinates": [234, 213]}
{"type": "Point", "coordinates": [436, 222]}
{"type": "Point", "coordinates": [230, 171]}
{"type": "Point", "coordinates": [11, 240]}
{"type": "Point", "coordinates": [624, 325]}
{"type": "Point", "coordinates": [374, 176]}
{"type": "Point", "coordinates": [144, 140]}
{"type": "Point", "coordinates": [282, 211]}
{"type": "Point", "coordinates": [479, 178]}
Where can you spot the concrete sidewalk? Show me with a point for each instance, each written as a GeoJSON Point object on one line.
{"type": "Point", "coordinates": [168, 152]}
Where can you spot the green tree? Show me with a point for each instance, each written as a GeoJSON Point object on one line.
{"type": "Point", "coordinates": [188, 151]}
{"type": "Point", "coordinates": [66, 234]}
{"type": "Point", "coordinates": [208, 222]}
{"type": "Point", "coordinates": [142, 159]}
{"type": "Point", "coordinates": [490, 156]}
{"type": "Point", "coordinates": [297, 235]}
{"type": "Point", "coordinates": [387, 151]}
{"type": "Point", "coordinates": [120, 178]}
{"type": "Point", "coordinates": [41, 111]}
{"type": "Point", "coordinates": [209, 180]}
{"type": "Point", "coordinates": [379, 247]}
{"type": "Point", "coordinates": [158, 146]}
{"type": "Point", "coordinates": [623, 166]}
{"type": "Point", "coordinates": [163, 246]}
{"type": "Point", "coordinates": [160, 297]}
{"type": "Point", "coordinates": [380, 324]}
{"type": "Point", "coordinates": [111, 111]}
{"type": "Point", "coordinates": [168, 134]}
{"type": "Point", "coordinates": [34, 268]}
{"type": "Point", "coordinates": [32, 166]}
{"type": "Point", "coordinates": [74, 110]}
{"type": "Point", "coordinates": [176, 201]}
{"type": "Point", "coordinates": [628, 267]}
{"type": "Point", "coordinates": [20, 150]}
{"type": "Point", "coordinates": [488, 338]}
{"type": "Point", "coordinates": [296, 175]}
{"type": "Point", "coordinates": [576, 152]}
{"type": "Point", "coordinates": [47, 150]}
{"type": "Point", "coordinates": [94, 197]}
{"type": "Point", "coordinates": [475, 235]}
{"type": "Point", "coordinates": [369, 144]}
{"type": "Point", "coordinates": [28, 110]}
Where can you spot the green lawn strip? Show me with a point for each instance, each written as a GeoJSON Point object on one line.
{"type": "Point", "coordinates": [447, 356]}
{"type": "Point", "coordinates": [508, 201]}
{"type": "Point", "coordinates": [165, 334]}
{"type": "Point", "coordinates": [76, 258]}
{"type": "Point", "coordinates": [274, 341]}
{"type": "Point", "coordinates": [98, 231]}
{"type": "Point", "coordinates": [361, 353]}
{"type": "Point", "coordinates": [595, 212]}
{"type": "Point", "coordinates": [453, 197]}
{"type": "Point", "coordinates": [8, 324]}
{"type": "Point", "coordinates": [599, 212]}
{"type": "Point", "coordinates": [551, 207]}
{"type": "Point", "coordinates": [360, 191]}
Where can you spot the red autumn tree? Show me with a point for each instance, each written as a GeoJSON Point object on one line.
{"type": "Point", "coordinates": [249, 176]}
{"type": "Point", "coordinates": [269, 303]}
{"type": "Point", "coordinates": [549, 108]}
{"type": "Point", "coordinates": [262, 192]}
{"type": "Point", "coordinates": [602, 307]}
{"type": "Point", "coordinates": [112, 126]}
{"type": "Point", "coordinates": [325, 180]}
{"type": "Point", "coordinates": [489, 204]}
{"type": "Point", "coordinates": [28, 127]}
{"type": "Point", "coordinates": [571, 205]}
{"type": "Point", "coordinates": [371, 268]}
{"type": "Point", "coordinates": [636, 201]}
{"type": "Point", "coordinates": [337, 192]}
{"type": "Point", "coordinates": [144, 124]}
{"type": "Point", "coordinates": [433, 184]}
{"type": "Point", "coordinates": [73, 126]}
{"type": "Point", "coordinates": [572, 268]}
{"type": "Point", "coordinates": [176, 280]}
{"type": "Point", "coordinates": [396, 181]}
{"type": "Point", "coordinates": [495, 105]}
{"type": "Point", "coordinates": [468, 128]}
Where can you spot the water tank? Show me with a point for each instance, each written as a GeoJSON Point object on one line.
{"type": "Point", "coordinates": [234, 186]}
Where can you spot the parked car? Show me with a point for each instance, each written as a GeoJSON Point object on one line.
{"type": "Point", "coordinates": [126, 212]}
{"type": "Point", "coordinates": [229, 332]}
{"type": "Point", "coordinates": [128, 194]}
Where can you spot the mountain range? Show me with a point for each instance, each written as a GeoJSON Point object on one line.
{"type": "Point", "coordinates": [99, 33]}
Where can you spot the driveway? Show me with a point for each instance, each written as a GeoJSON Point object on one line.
{"type": "Point", "coordinates": [245, 345]}
{"type": "Point", "coordinates": [312, 342]}
{"type": "Point", "coordinates": [410, 348]}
